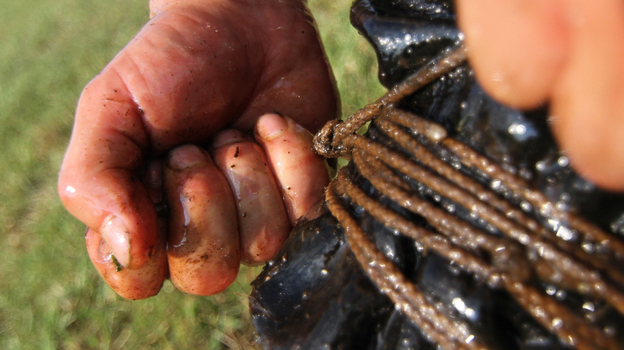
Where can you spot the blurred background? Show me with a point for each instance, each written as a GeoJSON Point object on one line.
{"type": "Point", "coordinates": [50, 295]}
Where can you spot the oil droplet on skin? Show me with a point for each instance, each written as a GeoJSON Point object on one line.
{"type": "Point", "coordinates": [181, 242]}
{"type": "Point", "coordinates": [184, 200]}
{"type": "Point", "coordinates": [186, 210]}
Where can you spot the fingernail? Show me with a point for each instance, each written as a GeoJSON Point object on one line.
{"type": "Point", "coordinates": [185, 157]}
{"type": "Point", "coordinates": [271, 125]}
{"type": "Point", "coordinates": [117, 238]}
{"type": "Point", "coordinates": [226, 137]}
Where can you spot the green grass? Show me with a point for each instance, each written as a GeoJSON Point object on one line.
{"type": "Point", "coordinates": [50, 295]}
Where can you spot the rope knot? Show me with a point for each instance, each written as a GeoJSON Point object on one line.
{"type": "Point", "coordinates": [323, 140]}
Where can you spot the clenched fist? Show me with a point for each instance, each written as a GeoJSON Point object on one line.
{"type": "Point", "coordinates": [161, 166]}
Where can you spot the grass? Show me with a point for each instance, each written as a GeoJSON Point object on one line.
{"type": "Point", "coordinates": [50, 295]}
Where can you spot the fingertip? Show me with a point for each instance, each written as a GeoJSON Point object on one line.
{"type": "Point", "coordinates": [135, 284]}
{"type": "Point", "coordinates": [117, 237]}
{"type": "Point", "coordinates": [300, 173]}
{"type": "Point", "coordinates": [203, 244]}
{"type": "Point", "coordinates": [115, 203]}
{"type": "Point", "coordinates": [271, 125]}
{"type": "Point", "coordinates": [592, 140]}
{"type": "Point", "coordinates": [227, 137]}
{"type": "Point", "coordinates": [588, 97]}
{"type": "Point", "coordinates": [516, 48]}
{"type": "Point", "coordinates": [186, 156]}
{"type": "Point", "coordinates": [605, 170]}
{"type": "Point", "coordinates": [266, 243]}
{"type": "Point", "coordinates": [262, 217]}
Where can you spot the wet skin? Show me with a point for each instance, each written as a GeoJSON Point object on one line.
{"type": "Point", "coordinates": [196, 69]}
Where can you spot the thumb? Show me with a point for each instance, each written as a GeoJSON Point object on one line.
{"type": "Point", "coordinates": [98, 180]}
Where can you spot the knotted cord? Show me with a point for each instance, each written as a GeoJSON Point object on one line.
{"type": "Point", "coordinates": [526, 248]}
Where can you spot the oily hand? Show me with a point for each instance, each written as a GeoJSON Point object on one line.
{"type": "Point", "coordinates": [196, 68]}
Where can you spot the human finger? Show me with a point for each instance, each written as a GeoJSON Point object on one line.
{"type": "Point", "coordinates": [99, 179]}
{"type": "Point", "coordinates": [194, 69]}
{"type": "Point", "coordinates": [135, 284]}
{"type": "Point", "coordinates": [262, 218]}
{"type": "Point", "coordinates": [203, 243]}
{"type": "Point", "coordinates": [146, 280]}
{"type": "Point", "coordinates": [145, 102]}
{"type": "Point", "coordinates": [588, 101]}
{"type": "Point", "coordinates": [517, 48]}
{"type": "Point", "coordinates": [301, 174]}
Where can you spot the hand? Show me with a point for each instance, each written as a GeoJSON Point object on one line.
{"type": "Point", "coordinates": [196, 68]}
{"type": "Point", "coordinates": [568, 52]}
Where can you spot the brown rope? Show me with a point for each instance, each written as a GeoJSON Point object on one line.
{"type": "Point", "coordinates": [391, 281]}
{"type": "Point", "coordinates": [469, 157]}
{"type": "Point", "coordinates": [329, 142]}
{"type": "Point", "coordinates": [527, 249]}
{"type": "Point", "coordinates": [485, 203]}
